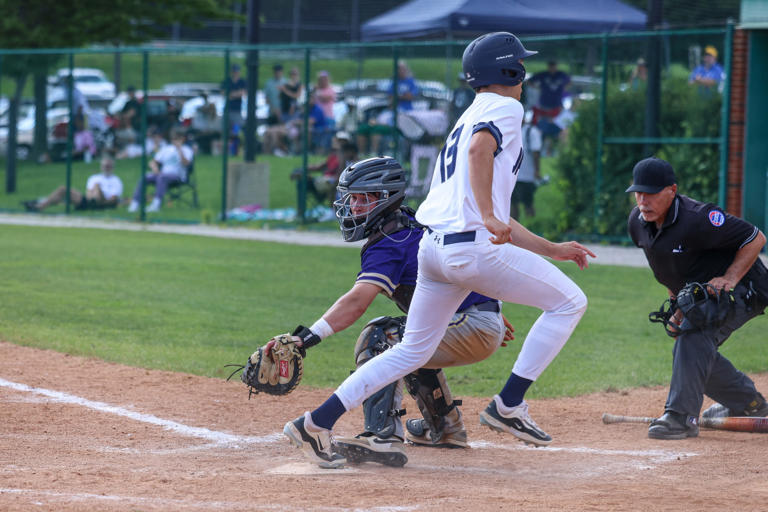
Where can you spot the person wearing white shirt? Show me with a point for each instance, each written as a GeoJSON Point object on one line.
{"type": "Point", "coordinates": [102, 190]}
{"type": "Point", "coordinates": [169, 166]}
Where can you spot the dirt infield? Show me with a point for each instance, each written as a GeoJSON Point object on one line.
{"type": "Point", "coordinates": [82, 434]}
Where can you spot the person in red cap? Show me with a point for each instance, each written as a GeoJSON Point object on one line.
{"type": "Point", "coordinates": [688, 241]}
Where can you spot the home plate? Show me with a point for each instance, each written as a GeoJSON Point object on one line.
{"type": "Point", "coordinates": [305, 468]}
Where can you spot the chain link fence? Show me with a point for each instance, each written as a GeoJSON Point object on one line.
{"type": "Point", "coordinates": [318, 107]}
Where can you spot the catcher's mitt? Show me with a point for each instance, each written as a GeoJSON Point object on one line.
{"type": "Point", "coordinates": [276, 368]}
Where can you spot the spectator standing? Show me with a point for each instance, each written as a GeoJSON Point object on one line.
{"type": "Point", "coordinates": [407, 90]}
{"type": "Point", "coordinates": [325, 96]}
{"type": "Point", "coordinates": [639, 76]}
{"type": "Point", "coordinates": [709, 74]}
{"type": "Point", "coordinates": [169, 166]}
{"type": "Point", "coordinates": [529, 175]}
{"type": "Point", "coordinates": [235, 89]}
{"type": "Point", "coordinates": [290, 92]}
{"type": "Point", "coordinates": [272, 93]}
{"type": "Point", "coordinates": [102, 190]}
{"type": "Point", "coordinates": [552, 85]}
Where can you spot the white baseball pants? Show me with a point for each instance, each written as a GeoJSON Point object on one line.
{"type": "Point", "coordinates": [447, 273]}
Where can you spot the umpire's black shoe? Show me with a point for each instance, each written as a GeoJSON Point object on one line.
{"type": "Point", "coordinates": [317, 446]}
{"type": "Point", "coordinates": [673, 425]}
{"type": "Point", "coordinates": [368, 447]}
{"type": "Point", "coordinates": [758, 407]}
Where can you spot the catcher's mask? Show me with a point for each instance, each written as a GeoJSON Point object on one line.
{"type": "Point", "coordinates": [368, 191]}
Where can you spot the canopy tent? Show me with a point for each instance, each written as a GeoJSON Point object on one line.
{"type": "Point", "coordinates": [467, 18]}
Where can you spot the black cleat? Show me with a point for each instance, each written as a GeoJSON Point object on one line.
{"type": "Point", "coordinates": [317, 446]}
{"type": "Point", "coordinates": [368, 447]}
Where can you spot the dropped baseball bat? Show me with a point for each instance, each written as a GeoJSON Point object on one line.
{"type": "Point", "coordinates": [733, 423]}
{"type": "Point", "coordinates": [737, 423]}
{"type": "Point", "coordinates": [618, 418]}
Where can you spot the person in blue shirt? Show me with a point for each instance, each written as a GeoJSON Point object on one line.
{"type": "Point", "coordinates": [370, 208]}
{"type": "Point", "coordinates": [709, 74]}
{"type": "Point", "coordinates": [407, 90]}
{"type": "Point", "coordinates": [552, 85]}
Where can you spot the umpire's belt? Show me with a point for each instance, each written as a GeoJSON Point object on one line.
{"type": "Point", "coordinates": [452, 238]}
{"type": "Point", "coordinates": [489, 305]}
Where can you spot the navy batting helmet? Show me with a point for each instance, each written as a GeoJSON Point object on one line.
{"type": "Point", "coordinates": [381, 182]}
{"type": "Point", "coordinates": [494, 59]}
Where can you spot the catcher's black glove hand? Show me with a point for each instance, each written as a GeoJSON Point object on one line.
{"type": "Point", "coordinates": [276, 368]}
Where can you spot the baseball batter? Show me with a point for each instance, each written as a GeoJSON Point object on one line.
{"type": "Point", "coordinates": [473, 244]}
{"type": "Point", "coordinates": [370, 208]}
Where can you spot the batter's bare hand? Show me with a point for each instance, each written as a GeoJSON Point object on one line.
{"type": "Point", "coordinates": [500, 230]}
{"type": "Point", "coordinates": [508, 331]}
{"type": "Point", "coordinates": [572, 251]}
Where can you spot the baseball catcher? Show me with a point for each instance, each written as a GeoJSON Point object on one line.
{"type": "Point", "coordinates": [370, 208]}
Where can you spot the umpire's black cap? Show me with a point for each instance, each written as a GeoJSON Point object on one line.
{"type": "Point", "coordinates": [651, 176]}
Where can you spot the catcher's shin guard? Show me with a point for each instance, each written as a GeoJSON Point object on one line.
{"type": "Point", "coordinates": [381, 410]}
{"type": "Point", "coordinates": [442, 424]}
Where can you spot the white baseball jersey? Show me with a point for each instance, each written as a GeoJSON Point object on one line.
{"type": "Point", "coordinates": [450, 206]}
{"type": "Point", "coordinates": [111, 186]}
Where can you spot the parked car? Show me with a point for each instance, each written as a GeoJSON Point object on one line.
{"type": "Point", "coordinates": [26, 129]}
{"type": "Point", "coordinates": [191, 88]}
{"type": "Point", "coordinates": [92, 82]}
{"type": "Point", "coordinates": [190, 106]}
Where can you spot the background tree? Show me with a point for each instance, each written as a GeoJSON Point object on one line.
{"type": "Point", "coordinates": [38, 24]}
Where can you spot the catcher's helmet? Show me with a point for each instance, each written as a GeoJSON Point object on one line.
{"type": "Point", "coordinates": [382, 176]}
{"type": "Point", "coordinates": [494, 59]}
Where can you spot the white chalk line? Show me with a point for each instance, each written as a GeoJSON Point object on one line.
{"type": "Point", "coordinates": [654, 455]}
{"type": "Point", "coordinates": [196, 504]}
{"type": "Point", "coordinates": [222, 439]}
{"type": "Point", "coordinates": [217, 439]}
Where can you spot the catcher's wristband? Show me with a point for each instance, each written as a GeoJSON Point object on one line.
{"type": "Point", "coordinates": [308, 338]}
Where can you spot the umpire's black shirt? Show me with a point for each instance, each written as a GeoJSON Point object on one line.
{"type": "Point", "coordinates": [696, 243]}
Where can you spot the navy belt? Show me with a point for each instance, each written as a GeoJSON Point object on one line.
{"type": "Point", "coordinates": [457, 238]}
{"type": "Point", "coordinates": [489, 305]}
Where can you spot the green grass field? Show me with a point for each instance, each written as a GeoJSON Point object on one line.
{"type": "Point", "coordinates": [194, 304]}
{"type": "Point", "coordinates": [36, 180]}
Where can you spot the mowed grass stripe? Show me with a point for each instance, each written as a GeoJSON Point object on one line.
{"type": "Point", "coordinates": [194, 304]}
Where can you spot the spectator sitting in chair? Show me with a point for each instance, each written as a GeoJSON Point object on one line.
{"type": "Point", "coordinates": [102, 191]}
{"type": "Point", "coordinates": [323, 187]}
{"type": "Point", "coordinates": [169, 166]}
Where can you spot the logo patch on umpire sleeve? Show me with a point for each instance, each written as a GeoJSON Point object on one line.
{"type": "Point", "coordinates": [716, 218]}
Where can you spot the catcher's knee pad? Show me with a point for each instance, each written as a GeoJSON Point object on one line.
{"type": "Point", "coordinates": [377, 336]}
{"type": "Point", "coordinates": [433, 396]}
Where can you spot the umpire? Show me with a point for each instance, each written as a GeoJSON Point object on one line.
{"type": "Point", "coordinates": [687, 241]}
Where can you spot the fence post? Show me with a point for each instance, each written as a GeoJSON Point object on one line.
{"type": "Point", "coordinates": [600, 134]}
{"type": "Point", "coordinates": [725, 115]}
{"type": "Point", "coordinates": [225, 140]}
{"type": "Point", "coordinates": [302, 196]}
{"type": "Point", "coordinates": [395, 103]}
{"type": "Point", "coordinates": [70, 133]}
{"type": "Point", "coordinates": [144, 104]}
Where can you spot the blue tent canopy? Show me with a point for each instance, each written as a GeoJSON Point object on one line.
{"type": "Point", "coordinates": [458, 18]}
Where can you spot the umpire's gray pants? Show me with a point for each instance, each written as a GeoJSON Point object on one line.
{"type": "Point", "coordinates": [698, 368]}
